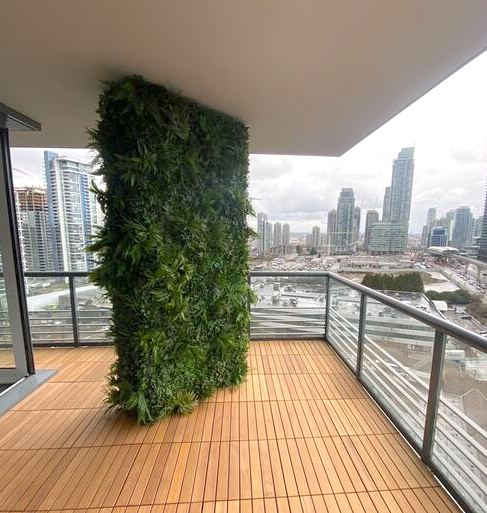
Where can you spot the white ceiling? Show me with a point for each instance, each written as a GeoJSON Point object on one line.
{"type": "Point", "coordinates": [310, 77]}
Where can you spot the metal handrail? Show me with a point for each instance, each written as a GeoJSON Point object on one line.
{"type": "Point", "coordinates": [444, 325]}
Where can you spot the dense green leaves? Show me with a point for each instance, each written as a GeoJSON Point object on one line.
{"type": "Point", "coordinates": [173, 254]}
{"type": "Point", "coordinates": [456, 297]}
{"type": "Point", "coordinates": [411, 282]}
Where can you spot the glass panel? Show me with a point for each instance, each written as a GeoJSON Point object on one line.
{"type": "Point", "coordinates": [49, 307]}
{"type": "Point", "coordinates": [94, 312]}
{"type": "Point", "coordinates": [288, 306]}
{"type": "Point", "coordinates": [460, 444]}
{"type": "Point", "coordinates": [7, 357]}
{"type": "Point", "coordinates": [344, 320]}
{"type": "Point", "coordinates": [396, 364]}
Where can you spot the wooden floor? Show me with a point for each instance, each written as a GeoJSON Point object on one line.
{"type": "Point", "coordinates": [300, 436]}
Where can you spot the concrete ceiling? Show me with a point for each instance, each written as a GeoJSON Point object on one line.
{"type": "Point", "coordinates": [310, 77]}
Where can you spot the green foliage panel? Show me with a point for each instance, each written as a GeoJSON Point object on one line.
{"type": "Point", "coordinates": [173, 252]}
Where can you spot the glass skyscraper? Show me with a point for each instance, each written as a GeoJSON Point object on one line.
{"type": "Point", "coordinates": [343, 239]}
{"type": "Point", "coordinates": [74, 213]}
{"type": "Point", "coordinates": [397, 202]}
{"type": "Point", "coordinates": [462, 228]}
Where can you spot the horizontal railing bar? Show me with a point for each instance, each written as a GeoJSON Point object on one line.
{"type": "Point", "coordinates": [55, 274]}
{"type": "Point", "coordinates": [431, 320]}
{"type": "Point", "coordinates": [460, 447]}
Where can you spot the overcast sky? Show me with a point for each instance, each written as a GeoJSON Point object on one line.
{"type": "Point", "coordinates": [448, 128]}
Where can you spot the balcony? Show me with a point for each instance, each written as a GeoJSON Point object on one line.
{"type": "Point", "coordinates": [337, 375]}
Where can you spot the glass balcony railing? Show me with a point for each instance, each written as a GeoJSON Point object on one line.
{"type": "Point", "coordinates": [288, 305]}
{"type": "Point", "coordinates": [66, 309]}
{"type": "Point", "coordinates": [428, 375]}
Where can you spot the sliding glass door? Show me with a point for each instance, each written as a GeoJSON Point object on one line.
{"type": "Point", "coordinates": [16, 359]}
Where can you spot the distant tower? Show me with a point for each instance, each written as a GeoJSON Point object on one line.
{"type": "Point", "coordinates": [462, 228]}
{"type": "Point", "coordinates": [430, 222]}
{"type": "Point", "coordinates": [344, 225]}
{"type": "Point", "coordinates": [386, 207]}
{"type": "Point", "coordinates": [402, 188]}
{"type": "Point", "coordinates": [262, 221]}
{"type": "Point", "coordinates": [73, 212]}
{"type": "Point", "coordinates": [356, 225]}
{"type": "Point", "coordinates": [268, 237]}
{"type": "Point", "coordinates": [286, 235]}
{"type": "Point", "coordinates": [315, 238]}
{"type": "Point", "coordinates": [277, 235]}
{"type": "Point", "coordinates": [371, 218]}
{"type": "Point", "coordinates": [34, 228]}
{"type": "Point", "coordinates": [331, 228]}
{"type": "Point", "coordinates": [448, 224]}
{"type": "Point", "coordinates": [483, 237]}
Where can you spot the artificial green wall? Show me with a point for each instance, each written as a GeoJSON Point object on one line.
{"type": "Point", "coordinates": [173, 254]}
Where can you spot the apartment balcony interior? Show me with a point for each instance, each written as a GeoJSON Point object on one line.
{"type": "Point", "coordinates": [354, 401]}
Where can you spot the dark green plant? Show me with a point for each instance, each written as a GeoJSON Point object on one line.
{"type": "Point", "coordinates": [173, 254]}
{"type": "Point", "coordinates": [457, 297]}
{"type": "Point", "coordinates": [410, 282]}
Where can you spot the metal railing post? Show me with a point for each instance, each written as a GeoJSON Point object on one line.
{"type": "Point", "coordinates": [74, 311]}
{"type": "Point", "coordinates": [433, 395]}
{"type": "Point", "coordinates": [327, 306]}
{"type": "Point", "coordinates": [361, 331]}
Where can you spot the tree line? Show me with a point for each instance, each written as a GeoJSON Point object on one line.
{"type": "Point", "coordinates": [408, 282]}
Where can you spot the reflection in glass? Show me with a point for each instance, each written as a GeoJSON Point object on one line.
{"type": "Point", "coordinates": [49, 307]}
{"type": "Point", "coordinates": [460, 442]}
{"type": "Point", "coordinates": [343, 321]}
{"type": "Point", "coordinates": [396, 364]}
{"type": "Point", "coordinates": [7, 357]}
{"type": "Point", "coordinates": [94, 312]}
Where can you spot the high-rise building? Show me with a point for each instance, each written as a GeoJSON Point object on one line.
{"type": "Point", "coordinates": [477, 227]}
{"type": "Point", "coordinates": [315, 241]}
{"type": "Point", "coordinates": [386, 238]}
{"type": "Point", "coordinates": [438, 236]}
{"type": "Point", "coordinates": [73, 212]}
{"type": "Point", "coordinates": [430, 222]}
{"type": "Point", "coordinates": [483, 236]}
{"type": "Point", "coordinates": [386, 206]}
{"type": "Point", "coordinates": [34, 230]}
{"type": "Point", "coordinates": [448, 224]}
{"type": "Point", "coordinates": [262, 221]}
{"type": "Point", "coordinates": [402, 185]}
{"type": "Point", "coordinates": [268, 237]}
{"type": "Point", "coordinates": [431, 216]}
{"type": "Point", "coordinates": [277, 237]}
{"type": "Point", "coordinates": [286, 235]}
{"type": "Point", "coordinates": [462, 228]}
{"type": "Point", "coordinates": [371, 218]}
{"type": "Point", "coordinates": [343, 240]}
{"type": "Point", "coordinates": [401, 189]}
{"type": "Point", "coordinates": [331, 228]}
{"type": "Point", "coordinates": [356, 225]}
